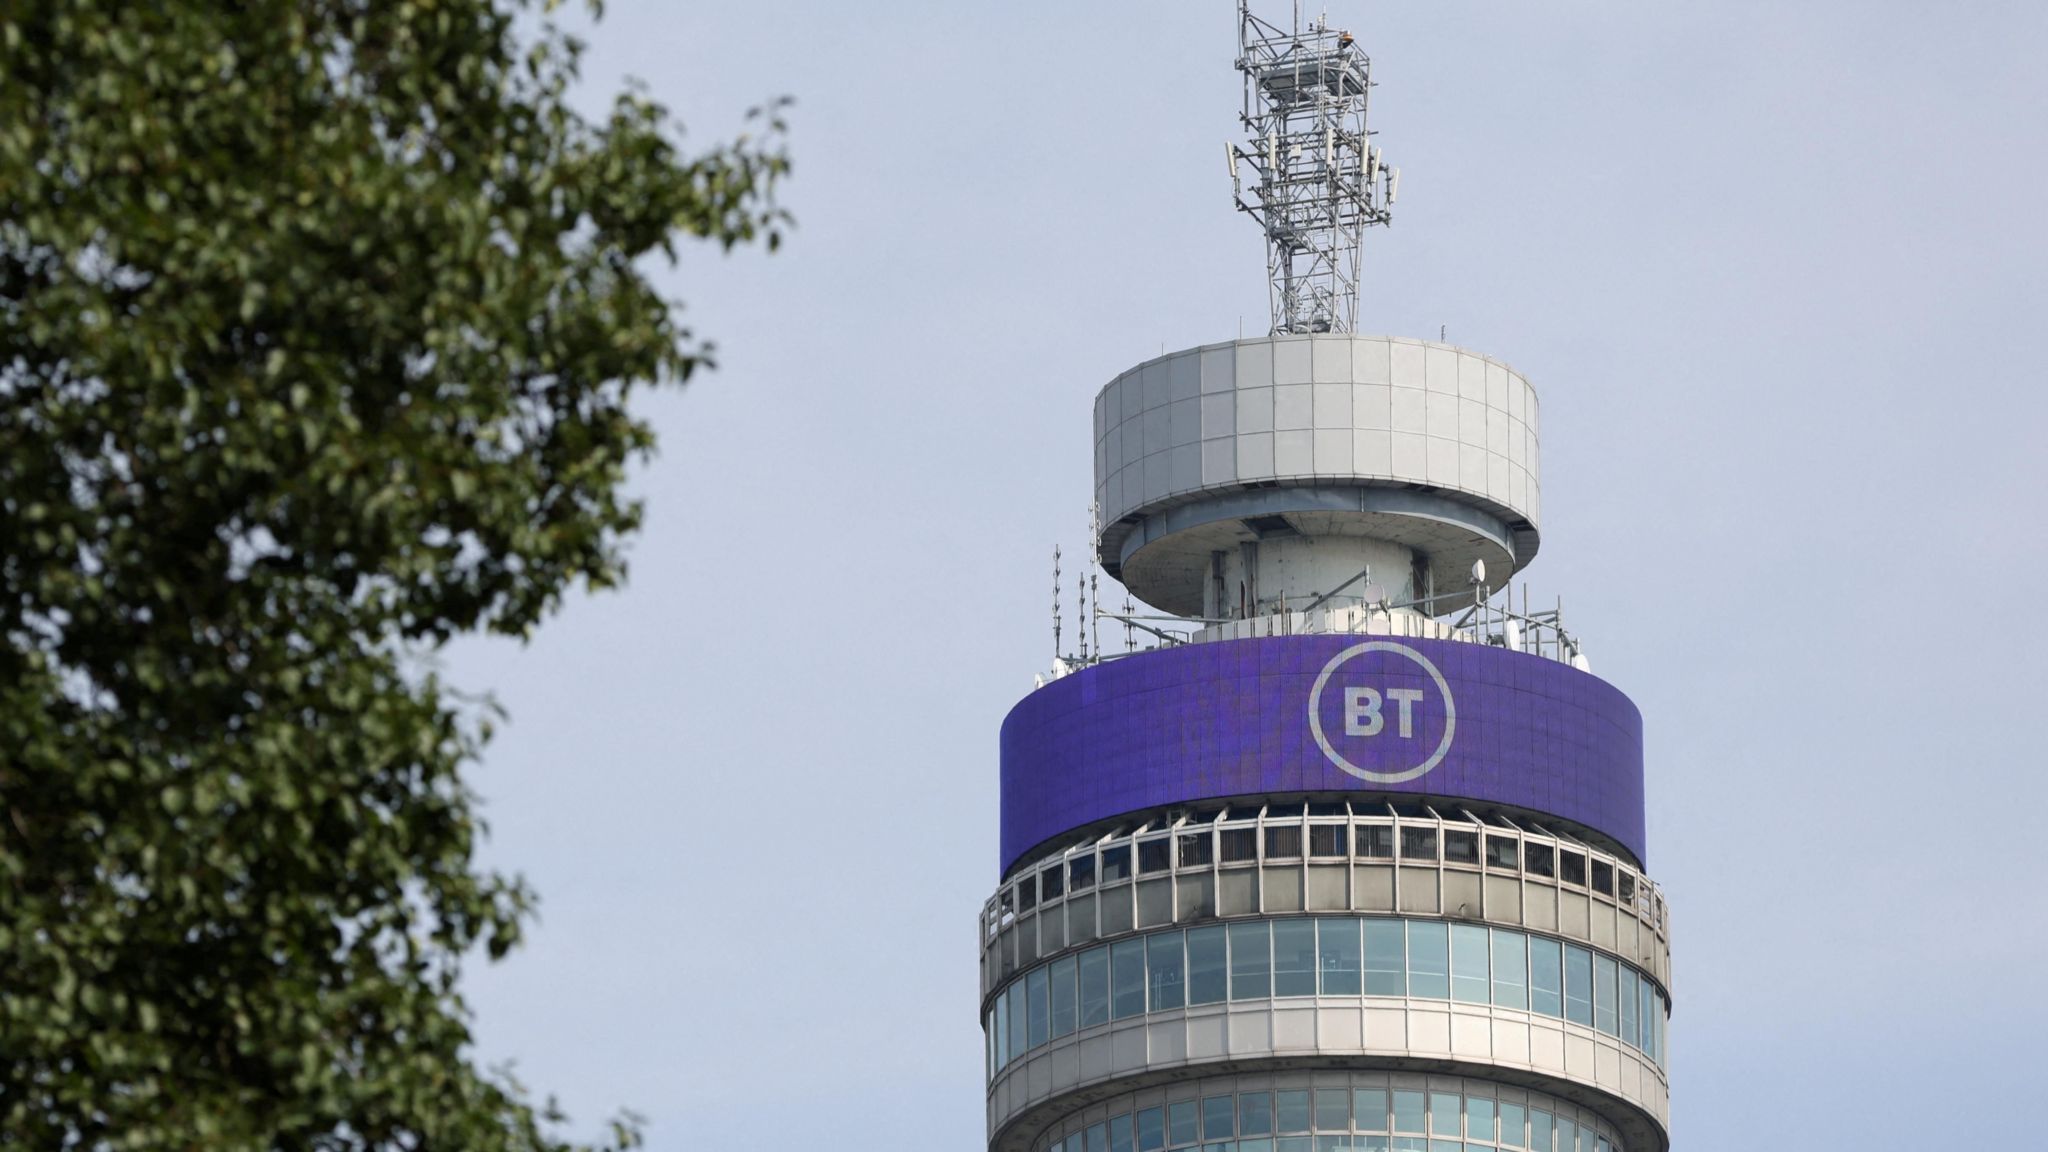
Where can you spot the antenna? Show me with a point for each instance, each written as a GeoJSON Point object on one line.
{"type": "Point", "coordinates": [1081, 621]}
{"type": "Point", "coordinates": [1092, 621]}
{"type": "Point", "coordinates": [1095, 621]}
{"type": "Point", "coordinates": [1318, 180]}
{"type": "Point", "coordinates": [1055, 602]}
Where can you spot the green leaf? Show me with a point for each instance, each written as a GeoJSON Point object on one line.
{"type": "Point", "coordinates": [322, 323]}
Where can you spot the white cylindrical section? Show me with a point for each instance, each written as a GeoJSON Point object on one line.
{"type": "Point", "coordinates": [1302, 410]}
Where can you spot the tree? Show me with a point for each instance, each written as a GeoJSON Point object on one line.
{"type": "Point", "coordinates": [319, 320]}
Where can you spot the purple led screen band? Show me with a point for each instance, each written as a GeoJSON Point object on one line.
{"type": "Point", "coordinates": [1322, 714]}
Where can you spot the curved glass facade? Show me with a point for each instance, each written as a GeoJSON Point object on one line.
{"type": "Point", "coordinates": [1325, 956]}
{"type": "Point", "coordinates": [1324, 859]}
{"type": "Point", "coordinates": [1326, 1113]}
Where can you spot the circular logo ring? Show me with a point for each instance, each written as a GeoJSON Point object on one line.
{"type": "Point", "coordinates": [1315, 716]}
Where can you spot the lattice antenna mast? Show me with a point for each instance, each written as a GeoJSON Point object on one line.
{"type": "Point", "coordinates": [1309, 173]}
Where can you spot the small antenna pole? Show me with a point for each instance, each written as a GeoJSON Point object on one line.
{"type": "Point", "coordinates": [1095, 621]}
{"type": "Point", "coordinates": [1092, 622]}
{"type": "Point", "coordinates": [1081, 619]}
{"type": "Point", "coordinates": [1055, 601]}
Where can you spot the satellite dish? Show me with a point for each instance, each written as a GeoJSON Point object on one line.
{"type": "Point", "coordinates": [1511, 632]}
{"type": "Point", "coordinates": [1479, 572]}
{"type": "Point", "coordinates": [1375, 594]}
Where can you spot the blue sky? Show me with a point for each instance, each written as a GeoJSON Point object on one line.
{"type": "Point", "coordinates": [1777, 271]}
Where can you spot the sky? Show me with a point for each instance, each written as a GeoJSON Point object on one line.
{"type": "Point", "coordinates": [1778, 272]}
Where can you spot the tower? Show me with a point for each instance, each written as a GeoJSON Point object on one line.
{"type": "Point", "coordinates": [1349, 853]}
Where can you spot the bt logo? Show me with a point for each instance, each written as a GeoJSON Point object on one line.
{"type": "Point", "coordinates": [1362, 710]}
{"type": "Point", "coordinates": [1385, 722]}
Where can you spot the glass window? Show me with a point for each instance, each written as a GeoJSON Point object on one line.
{"type": "Point", "coordinates": [1337, 956]}
{"type": "Point", "coordinates": [1514, 1125]}
{"type": "Point", "coordinates": [1500, 853]}
{"type": "Point", "coordinates": [1127, 990]}
{"type": "Point", "coordinates": [1386, 959]}
{"type": "Point", "coordinates": [1510, 969]}
{"type": "Point", "coordinates": [1333, 1110]}
{"type": "Point", "coordinates": [1603, 995]}
{"type": "Point", "coordinates": [1165, 970]}
{"type": "Point", "coordinates": [1093, 978]}
{"type": "Point", "coordinates": [1408, 1111]}
{"type": "Point", "coordinates": [1631, 998]}
{"type": "Point", "coordinates": [1290, 1110]}
{"type": "Point", "coordinates": [1119, 1134]}
{"type": "Point", "coordinates": [1098, 1138]}
{"type": "Point", "coordinates": [1002, 1030]}
{"type": "Point", "coordinates": [1116, 863]}
{"type": "Point", "coordinates": [1327, 839]}
{"type": "Point", "coordinates": [1571, 867]}
{"type": "Point", "coordinates": [1250, 971]}
{"type": "Point", "coordinates": [1081, 872]}
{"type": "Point", "coordinates": [1294, 958]}
{"type": "Point", "coordinates": [1578, 985]}
{"type": "Point", "coordinates": [1539, 1130]}
{"type": "Point", "coordinates": [1429, 960]}
{"type": "Point", "coordinates": [1239, 844]}
{"type": "Point", "coordinates": [1051, 882]}
{"type": "Point", "coordinates": [1041, 1006]}
{"type": "Point", "coordinates": [1646, 1012]}
{"type": "Point", "coordinates": [1062, 997]}
{"type": "Point", "coordinates": [1180, 1122]}
{"type": "Point", "coordinates": [1461, 847]}
{"type": "Point", "coordinates": [1155, 856]}
{"type": "Point", "coordinates": [1376, 841]}
{"type": "Point", "coordinates": [1567, 1135]}
{"type": "Point", "coordinates": [1206, 971]}
{"type": "Point", "coordinates": [1218, 1117]}
{"type": "Point", "coordinates": [1027, 894]}
{"type": "Point", "coordinates": [1468, 964]}
{"type": "Point", "coordinates": [1603, 877]}
{"type": "Point", "coordinates": [1539, 859]}
{"type": "Point", "coordinates": [1479, 1118]}
{"type": "Point", "coordinates": [1017, 1025]}
{"type": "Point", "coordinates": [1254, 1114]}
{"type": "Point", "coordinates": [1283, 843]}
{"type": "Point", "coordinates": [1197, 848]}
{"type": "Point", "coordinates": [1151, 1129]}
{"type": "Point", "coordinates": [1627, 885]}
{"type": "Point", "coordinates": [1443, 1114]}
{"type": "Point", "coordinates": [1546, 977]}
{"type": "Point", "coordinates": [1369, 1109]}
{"type": "Point", "coordinates": [1418, 843]}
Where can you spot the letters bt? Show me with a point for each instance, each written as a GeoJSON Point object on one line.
{"type": "Point", "coordinates": [1362, 710]}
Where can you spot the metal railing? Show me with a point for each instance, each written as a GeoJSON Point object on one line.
{"type": "Point", "coordinates": [1500, 625]}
